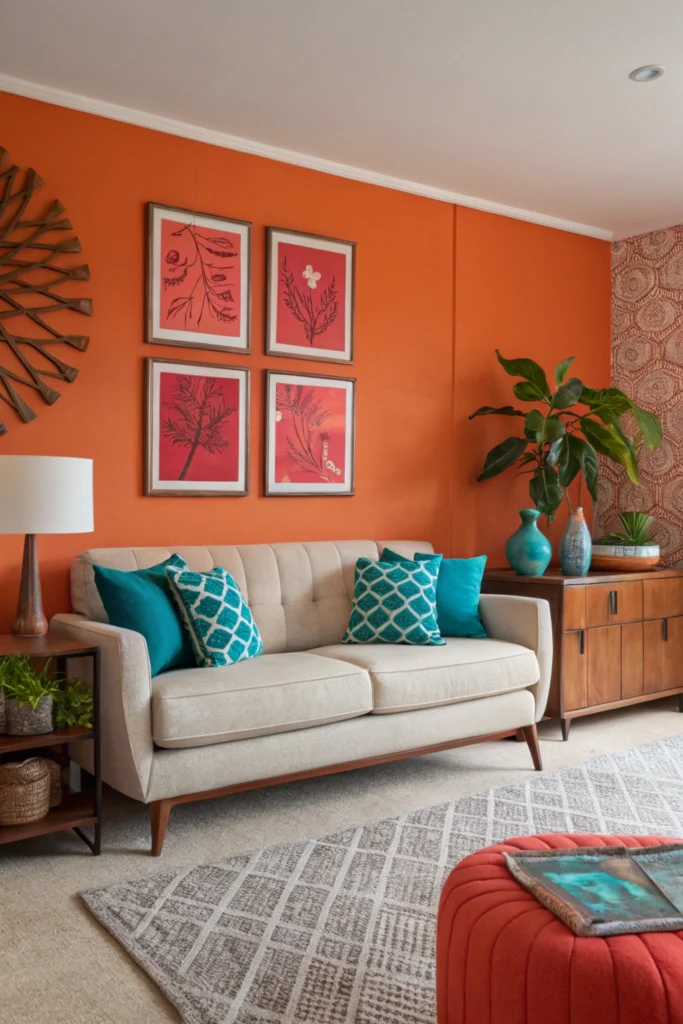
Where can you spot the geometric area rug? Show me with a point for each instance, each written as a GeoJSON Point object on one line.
{"type": "Point", "coordinates": [340, 929]}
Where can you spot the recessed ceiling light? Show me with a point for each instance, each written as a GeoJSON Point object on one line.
{"type": "Point", "coordinates": [647, 73]}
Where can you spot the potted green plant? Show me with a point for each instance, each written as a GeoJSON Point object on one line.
{"type": "Point", "coordinates": [633, 548]}
{"type": "Point", "coordinates": [29, 696]}
{"type": "Point", "coordinates": [74, 705]}
{"type": "Point", "coordinates": [569, 425]}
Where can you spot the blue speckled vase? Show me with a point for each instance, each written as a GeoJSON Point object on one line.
{"type": "Point", "coordinates": [575, 546]}
{"type": "Point", "coordinates": [527, 550]}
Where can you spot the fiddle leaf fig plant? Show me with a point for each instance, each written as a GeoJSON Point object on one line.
{"type": "Point", "coordinates": [564, 437]}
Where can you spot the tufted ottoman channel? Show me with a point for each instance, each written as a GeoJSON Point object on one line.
{"type": "Point", "coordinates": [502, 958]}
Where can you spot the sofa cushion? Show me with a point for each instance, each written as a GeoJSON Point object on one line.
{"type": "Point", "coordinates": [405, 678]}
{"type": "Point", "coordinates": [271, 694]}
{"type": "Point", "coordinates": [217, 617]}
{"type": "Point", "coordinates": [394, 603]}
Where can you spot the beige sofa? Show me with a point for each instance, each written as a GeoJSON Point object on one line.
{"type": "Point", "coordinates": [308, 705]}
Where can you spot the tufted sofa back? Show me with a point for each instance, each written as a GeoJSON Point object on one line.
{"type": "Point", "coordinates": [300, 594]}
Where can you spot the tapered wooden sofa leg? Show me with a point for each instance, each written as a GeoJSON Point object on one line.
{"type": "Point", "coordinates": [531, 737]}
{"type": "Point", "coordinates": [159, 813]}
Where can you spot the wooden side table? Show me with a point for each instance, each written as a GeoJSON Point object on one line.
{"type": "Point", "coordinates": [617, 637]}
{"type": "Point", "coordinates": [77, 808]}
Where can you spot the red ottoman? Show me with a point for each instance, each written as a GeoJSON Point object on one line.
{"type": "Point", "coordinates": [502, 958]}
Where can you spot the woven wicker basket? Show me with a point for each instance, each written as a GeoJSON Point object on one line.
{"type": "Point", "coordinates": [24, 791]}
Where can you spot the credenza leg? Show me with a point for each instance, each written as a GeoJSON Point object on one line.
{"type": "Point", "coordinates": [565, 725]}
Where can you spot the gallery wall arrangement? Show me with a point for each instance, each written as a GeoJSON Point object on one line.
{"type": "Point", "coordinates": [196, 414]}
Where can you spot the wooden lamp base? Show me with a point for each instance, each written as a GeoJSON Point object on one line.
{"type": "Point", "coordinates": [30, 619]}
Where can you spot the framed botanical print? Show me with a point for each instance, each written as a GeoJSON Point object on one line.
{"type": "Point", "coordinates": [198, 286]}
{"type": "Point", "coordinates": [197, 428]}
{"type": "Point", "coordinates": [310, 434]}
{"type": "Point", "coordinates": [310, 296]}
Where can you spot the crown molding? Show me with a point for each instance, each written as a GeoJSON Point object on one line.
{"type": "Point", "coordinates": [144, 119]}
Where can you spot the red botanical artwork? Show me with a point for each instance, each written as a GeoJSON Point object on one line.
{"type": "Point", "coordinates": [198, 427]}
{"type": "Point", "coordinates": [311, 297]}
{"type": "Point", "coordinates": [310, 434]}
{"type": "Point", "coordinates": [199, 279]}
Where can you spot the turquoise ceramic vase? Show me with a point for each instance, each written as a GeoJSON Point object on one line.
{"type": "Point", "coordinates": [576, 546]}
{"type": "Point", "coordinates": [527, 550]}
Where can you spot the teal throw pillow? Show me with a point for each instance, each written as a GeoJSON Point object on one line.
{"type": "Point", "coordinates": [141, 600]}
{"type": "Point", "coordinates": [218, 618]}
{"type": "Point", "coordinates": [394, 603]}
{"type": "Point", "coordinates": [458, 590]}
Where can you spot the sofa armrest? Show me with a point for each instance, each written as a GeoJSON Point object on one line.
{"type": "Point", "coordinates": [125, 698]}
{"type": "Point", "coordinates": [525, 621]}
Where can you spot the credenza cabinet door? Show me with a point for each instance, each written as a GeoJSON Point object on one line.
{"type": "Point", "coordinates": [631, 660]}
{"type": "Point", "coordinates": [603, 647]}
{"type": "Point", "coordinates": [663, 654]}
{"type": "Point", "coordinates": [574, 670]}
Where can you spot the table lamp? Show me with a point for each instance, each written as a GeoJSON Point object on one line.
{"type": "Point", "coordinates": [42, 494]}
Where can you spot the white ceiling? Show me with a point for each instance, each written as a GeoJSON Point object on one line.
{"type": "Point", "coordinates": [518, 103]}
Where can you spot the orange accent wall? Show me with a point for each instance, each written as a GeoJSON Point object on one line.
{"type": "Point", "coordinates": [437, 288]}
{"type": "Point", "coordinates": [528, 291]}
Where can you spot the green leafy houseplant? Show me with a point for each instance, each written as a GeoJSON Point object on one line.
{"type": "Point", "coordinates": [638, 528]}
{"type": "Point", "coordinates": [564, 438]}
{"type": "Point", "coordinates": [74, 705]}
{"type": "Point", "coordinates": [19, 681]}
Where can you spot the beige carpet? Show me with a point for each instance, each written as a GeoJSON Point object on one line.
{"type": "Point", "coordinates": [58, 966]}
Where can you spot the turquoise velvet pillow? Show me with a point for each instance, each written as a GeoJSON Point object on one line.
{"type": "Point", "coordinates": [394, 603]}
{"type": "Point", "coordinates": [141, 600]}
{"type": "Point", "coordinates": [457, 593]}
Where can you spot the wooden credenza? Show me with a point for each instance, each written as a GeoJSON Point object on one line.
{"type": "Point", "coordinates": [618, 637]}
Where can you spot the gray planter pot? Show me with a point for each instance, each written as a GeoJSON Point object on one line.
{"type": "Point", "coordinates": [22, 720]}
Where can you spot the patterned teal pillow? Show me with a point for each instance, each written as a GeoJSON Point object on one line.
{"type": "Point", "coordinates": [218, 618]}
{"type": "Point", "coordinates": [394, 603]}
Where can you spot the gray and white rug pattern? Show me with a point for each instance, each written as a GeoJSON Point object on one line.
{"type": "Point", "coordinates": [340, 929]}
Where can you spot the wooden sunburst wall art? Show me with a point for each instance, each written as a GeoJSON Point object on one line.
{"type": "Point", "coordinates": [36, 251]}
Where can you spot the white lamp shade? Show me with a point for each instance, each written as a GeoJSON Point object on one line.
{"type": "Point", "coordinates": [45, 494]}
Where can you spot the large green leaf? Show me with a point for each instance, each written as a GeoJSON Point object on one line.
{"type": "Point", "coordinates": [525, 391]}
{"type": "Point", "coordinates": [529, 370]}
{"type": "Point", "coordinates": [583, 454]}
{"type": "Point", "coordinates": [650, 426]}
{"type": "Point", "coordinates": [568, 394]}
{"type": "Point", "coordinates": [553, 429]}
{"type": "Point", "coordinates": [562, 369]}
{"type": "Point", "coordinates": [502, 456]}
{"type": "Point", "coordinates": [555, 451]}
{"type": "Point", "coordinates": [545, 491]}
{"type": "Point", "coordinates": [503, 410]}
{"type": "Point", "coordinates": [569, 463]}
{"type": "Point", "coordinates": [591, 471]}
{"type": "Point", "coordinates": [607, 442]}
{"type": "Point", "coordinates": [533, 425]}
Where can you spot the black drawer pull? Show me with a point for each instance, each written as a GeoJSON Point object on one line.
{"type": "Point", "coordinates": [582, 641]}
{"type": "Point", "coordinates": [613, 602]}
{"type": "Point", "coordinates": [665, 629]}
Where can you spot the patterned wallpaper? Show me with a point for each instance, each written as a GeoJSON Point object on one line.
{"type": "Point", "coordinates": [647, 363]}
